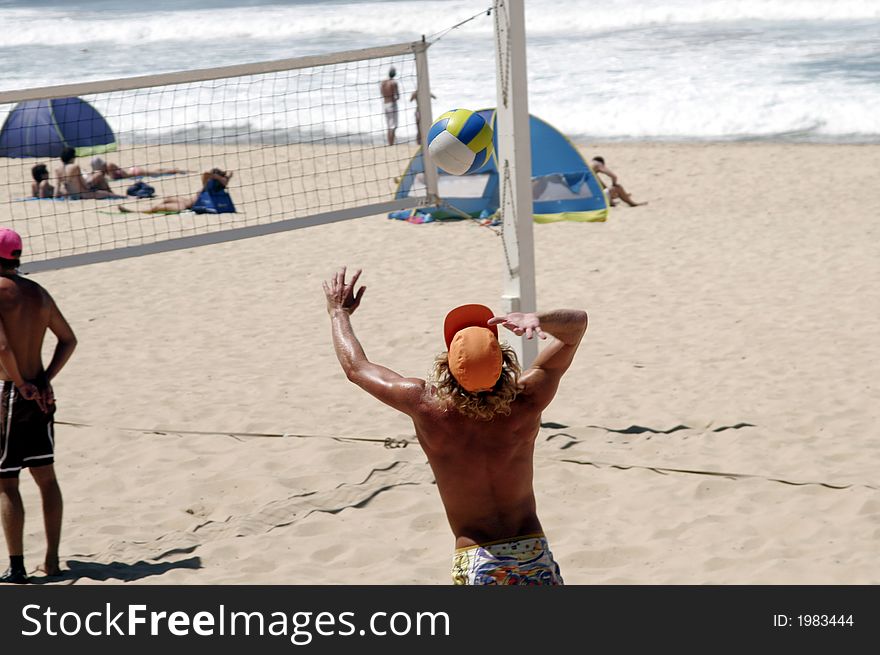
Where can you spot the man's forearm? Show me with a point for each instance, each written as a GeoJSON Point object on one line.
{"type": "Point", "coordinates": [63, 351]}
{"type": "Point", "coordinates": [567, 325]}
{"type": "Point", "coordinates": [348, 349]}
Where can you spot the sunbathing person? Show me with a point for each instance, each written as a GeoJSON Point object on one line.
{"type": "Point", "coordinates": [116, 172]}
{"type": "Point", "coordinates": [40, 187]}
{"type": "Point", "coordinates": [212, 181]}
{"type": "Point", "coordinates": [73, 186]}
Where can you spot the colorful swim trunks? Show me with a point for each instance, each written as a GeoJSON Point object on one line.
{"type": "Point", "coordinates": [523, 561]}
{"type": "Point", "coordinates": [26, 433]}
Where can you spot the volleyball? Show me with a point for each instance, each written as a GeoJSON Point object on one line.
{"type": "Point", "coordinates": [460, 141]}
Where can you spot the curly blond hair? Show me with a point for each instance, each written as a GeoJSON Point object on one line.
{"type": "Point", "coordinates": [481, 405]}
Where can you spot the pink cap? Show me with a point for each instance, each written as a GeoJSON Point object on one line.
{"type": "Point", "coordinates": [10, 244]}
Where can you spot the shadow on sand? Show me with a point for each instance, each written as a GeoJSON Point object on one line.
{"type": "Point", "coordinates": [77, 570]}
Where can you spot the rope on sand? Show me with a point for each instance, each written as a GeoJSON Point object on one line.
{"type": "Point", "coordinates": [732, 476]}
{"type": "Point", "coordinates": [388, 442]}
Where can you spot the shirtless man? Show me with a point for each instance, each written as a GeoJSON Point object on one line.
{"type": "Point", "coordinates": [71, 183]}
{"type": "Point", "coordinates": [477, 421]}
{"type": "Point", "coordinates": [616, 190]}
{"type": "Point", "coordinates": [115, 172]}
{"type": "Point", "coordinates": [390, 96]}
{"type": "Point", "coordinates": [27, 437]}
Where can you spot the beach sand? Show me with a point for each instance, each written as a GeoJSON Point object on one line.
{"type": "Point", "coordinates": [716, 427]}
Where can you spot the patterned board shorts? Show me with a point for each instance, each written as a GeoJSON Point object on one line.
{"type": "Point", "coordinates": [522, 561]}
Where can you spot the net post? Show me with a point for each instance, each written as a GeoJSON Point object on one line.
{"type": "Point", "coordinates": [514, 167]}
{"type": "Point", "coordinates": [423, 101]}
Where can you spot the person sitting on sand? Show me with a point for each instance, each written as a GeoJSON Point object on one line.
{"type": "Point", "coordinates": [477, 421]}
{"type": "Point", "coordinates": [616, 190]}
{"type": "Point", "coordinates": [73, 186]}
{"type": "Point", "coordinates": [212, 181]}
{"type": "Point", "coordinates": [116, 172]}
{"type": "Point", "coordinates": [40, 187]}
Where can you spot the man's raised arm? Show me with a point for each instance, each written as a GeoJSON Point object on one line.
{"type": "Point", "coordinates": [8, 360]}
{"type": "Point", "coordinates": [566, 327]}
{"type": "Point", "coordinates": [403, 394]}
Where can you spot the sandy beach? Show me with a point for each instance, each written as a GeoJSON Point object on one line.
{"type": "Point", "coordinates": [716, 427]}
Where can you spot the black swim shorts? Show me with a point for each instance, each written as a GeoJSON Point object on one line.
{"type": "Point", "coordinates": [27, 434]}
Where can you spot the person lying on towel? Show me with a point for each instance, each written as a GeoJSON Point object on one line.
{"type": "Point", "coordinates": [213, 181]}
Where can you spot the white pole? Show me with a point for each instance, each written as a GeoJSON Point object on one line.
{"type": "Point", "coordinates": [515, 168]}
{"type": "Point", "coordinates": [423, 101]}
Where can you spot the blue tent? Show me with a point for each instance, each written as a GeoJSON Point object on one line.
{"type": "Point", "coordinates": [564, 188]}
{"type": "Point", "coordinates": [43, 128]}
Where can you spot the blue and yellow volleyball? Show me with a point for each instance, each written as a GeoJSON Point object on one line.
{"type": "Point", "coordinates": [460, 141]}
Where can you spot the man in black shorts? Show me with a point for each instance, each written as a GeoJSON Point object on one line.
{"type": "Point", "coordinates": [27, 405]}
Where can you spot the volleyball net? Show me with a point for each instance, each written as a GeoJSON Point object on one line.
{"type": "Point", "coordinates": [291, 143]}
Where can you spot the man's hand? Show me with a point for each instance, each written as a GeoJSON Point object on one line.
{"type": "Point", "coordinates": [48, 396]}
{"type": "Point", "coordinates": [29, 391]}
{"type": "Point", "coordinates": [341, 295]}
{"type": "Point", "coordinates": [520, 323]}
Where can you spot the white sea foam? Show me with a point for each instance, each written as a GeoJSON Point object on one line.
{"type": "Point", "coordinates": [621, 69]}
{"type": "Point", "coordinates": [557, 18]}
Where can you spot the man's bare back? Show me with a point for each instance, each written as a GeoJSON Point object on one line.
{"type": "Point", "coordinates": [70, 181]}
{"type": "Point", "coordinates": [26, 310]}
{"type": "Point", "coordinates": [483, 469]}
{"type": "Point", "coordinates": [389, 89]}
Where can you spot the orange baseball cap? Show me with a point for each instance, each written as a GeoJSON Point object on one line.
{"type": "Point", "coordinates": [475, 358]}
{"type": "Point", "coordinates": [467, 316]}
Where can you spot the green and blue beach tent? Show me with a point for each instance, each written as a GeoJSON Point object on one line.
{"type": "Point", "coordinates": [43, 128]}
{"type": "Point", "coordinates": [564, 187]}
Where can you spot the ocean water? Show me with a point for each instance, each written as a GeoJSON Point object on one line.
{"type": "Point", "coordinates": [792, 70]}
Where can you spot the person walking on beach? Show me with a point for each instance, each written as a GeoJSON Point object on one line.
{"type": "Point", "coordinates": [477, 421]}
{"type": "Point", "coordinates": [390, 96]}
{"type": "Point", "coordinates": [616, 190]}
{"type": "Point", "coordinates": [27, 403]}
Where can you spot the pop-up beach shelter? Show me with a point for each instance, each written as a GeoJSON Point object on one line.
{"type": "Point", "coordinates": [564, 188]}
{"type": "Point", "coordinates": [43, 128]}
